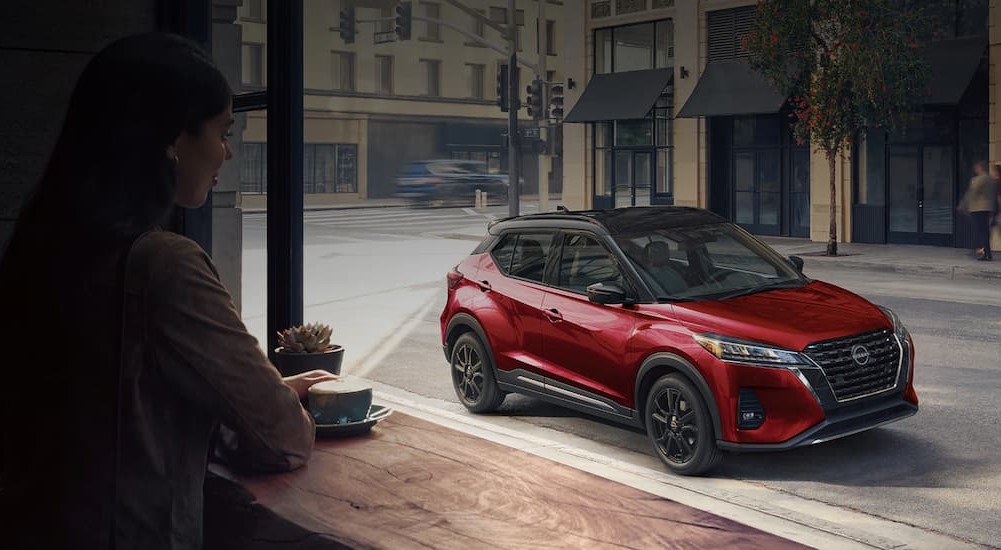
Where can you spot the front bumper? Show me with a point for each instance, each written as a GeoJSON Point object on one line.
{"type": "Point", "coordinates": [845, 422]}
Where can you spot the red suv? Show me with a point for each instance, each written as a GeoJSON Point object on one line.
{"type": "Point", "coordinates": [676, 321]}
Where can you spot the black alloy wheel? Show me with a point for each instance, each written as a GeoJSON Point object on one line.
{"type": "Point", "coordinates": [473, 375]}
{"type": "Point", "coordinates": [679, 426]}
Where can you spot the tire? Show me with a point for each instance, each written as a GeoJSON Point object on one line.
{"type": "Point", "coordinates": [679, 426]}
{"type": "Point", "coordinates": [473, 375]}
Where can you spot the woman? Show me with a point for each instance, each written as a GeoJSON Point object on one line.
{"type": "Point", "coordinates": [132, 351]}
{"type": "Point", "coordinates": [995, 240]}
{"type": "Point", "coordinates": [980, 201]}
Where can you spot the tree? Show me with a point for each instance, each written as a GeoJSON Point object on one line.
{"type": "Point", "coordinates": [847, 66]}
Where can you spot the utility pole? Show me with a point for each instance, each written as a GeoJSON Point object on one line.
{"type": "Point", "coordinates": [514, 93]}
{"type": "Point", "coordinates": [544, 157]}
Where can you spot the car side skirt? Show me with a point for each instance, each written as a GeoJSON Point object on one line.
{"type": "Point", "coordinates": [534, 385]}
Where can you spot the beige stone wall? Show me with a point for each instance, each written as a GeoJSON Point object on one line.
{"type": "Point", "coordinates": [576, 151]}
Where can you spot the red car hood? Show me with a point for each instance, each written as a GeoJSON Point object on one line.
{"type": "Point", "coordinates": [788, 318]}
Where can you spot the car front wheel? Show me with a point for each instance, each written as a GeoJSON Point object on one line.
{"type": "Point", "coordinates": [679, 426]}
{"type": "Point", "coordinates": [473, 375]}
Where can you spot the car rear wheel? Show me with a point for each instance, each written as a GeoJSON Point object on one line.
{"type": "Point", "coordinates": [679, 426]}
{"type": "Point", "coordinates": [473, 375]}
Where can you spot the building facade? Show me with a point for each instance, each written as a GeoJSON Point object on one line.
{"type": "Point", "coordinates": [667, 111]}
{"type": "Point", "coordinates": [378, 103]}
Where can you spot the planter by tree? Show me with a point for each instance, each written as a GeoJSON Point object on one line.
{"type": "Point", "coordinates": [847, 66]}
{"type": "Point", "coordinates": [307, 347]}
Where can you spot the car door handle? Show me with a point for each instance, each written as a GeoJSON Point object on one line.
{"type": "Point", "coordinates": [554, 315]}
{"type": "Point", "coordinates": [484, 286]}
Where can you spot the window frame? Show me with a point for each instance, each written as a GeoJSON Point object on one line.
{"type": "Point", "coordinates": [338, 84]}
{"type": "Point", "coordinates": [428, 64]}
{"type": "Point", "coordinates": [379, 74]}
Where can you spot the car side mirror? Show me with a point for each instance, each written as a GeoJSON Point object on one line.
{"type": "Point", "coordinates": [606, 293]}
{"type": "Point", "coordinates": [796, 262]}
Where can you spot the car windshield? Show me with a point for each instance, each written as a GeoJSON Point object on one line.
{"type": "Point", "coordinates": [715, 261]}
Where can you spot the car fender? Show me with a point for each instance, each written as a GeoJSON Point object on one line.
{"type": "Point", "coordinates": [465, 320]}
{"type": "Point", "coordinates": [680, 364]}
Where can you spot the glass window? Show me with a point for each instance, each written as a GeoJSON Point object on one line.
{"type": "Point", "coordinates": [603, 51]}
{"type": "Point", "coordinates": [253, 64]}
{"type": "Point", "coordinates": [585, 262]}
{"type": "Point", "coordinates": [872, 169]}
{"type": "Point", "coordinates": [634, 47]}
{"type": "Point", "coordinates": [384, 74]}
{"type": "Point", "coordinates": [530, 253]}
{"type": "Point", "coordinates": [665, 44]}
{"type": "Point", "coordinates": [474, 75]}
{"type": "Point", "coordinates": [503, 252]}
{"type": "Point", "coordinates": [255, 9]}
{"type": "Point", "coordinates": [634, 132]}
{"type": "Point", "coordinates": [254, 167]}
{"type": "Point", "coordinates": [342, 71]}
{"type": "Point", "coordinates": [550, 37]}
{"type": "Point", "coordinates": [432, 31]}
{"type": "Point", "coordinates": [387, 16]}
{"type": "Point", "coordinates": [432, 77]}
{"type": "Point", "coordinates": [347, 169]}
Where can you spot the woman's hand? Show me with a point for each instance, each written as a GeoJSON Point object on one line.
{"type": "Point", "coordinates": [301, 382]}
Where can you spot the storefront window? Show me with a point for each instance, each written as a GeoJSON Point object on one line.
{"type": "Point", "coordinates": [665, 44]}
{"type": "Point", "coordinates": [872, 170]}
{"type": "Point", "coordinates": [633, 132]}
{"type": "Point", "coordinates": [634, 47]}
{"type": "Point", "coordinates": [603, 51]}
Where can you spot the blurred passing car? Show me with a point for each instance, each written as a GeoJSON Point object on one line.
{"type": "Point", "coordinates": [425, 182]}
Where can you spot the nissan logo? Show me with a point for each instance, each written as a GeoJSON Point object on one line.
{"type": "Point", "coordinates": [860, 354]}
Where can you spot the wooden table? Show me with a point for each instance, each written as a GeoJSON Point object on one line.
{"type": "Point", "coordinates": [412, 483]}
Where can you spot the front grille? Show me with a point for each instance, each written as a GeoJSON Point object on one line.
{"type": "Point", "coordinates": [848, 378]}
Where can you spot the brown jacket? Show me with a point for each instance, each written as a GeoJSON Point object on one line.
{"type": "Point", "coordinates": [141, 355]}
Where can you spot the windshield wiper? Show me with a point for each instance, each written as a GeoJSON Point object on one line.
{"type": "Point", "coordinates": [779, 285]}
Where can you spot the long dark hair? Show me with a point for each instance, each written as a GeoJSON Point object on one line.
{"type": "Point", "coordinates": [109, 172]}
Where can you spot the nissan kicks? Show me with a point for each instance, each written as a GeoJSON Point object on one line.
{"type": "Point", "coordinates": [676, 321]}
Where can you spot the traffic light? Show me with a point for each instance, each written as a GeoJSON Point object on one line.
{"type": "Point", "coordinates": [535, 101]}
{"type": "Point", "coordinates": [347, 26]}
{"type": "Point", "coordinates": [404, 20]}
{"type": "Point", "coordinates": [556, 101]}
{"type": "Point", "coordinates": [502, 88]}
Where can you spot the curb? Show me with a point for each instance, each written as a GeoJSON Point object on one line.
{"type": "Point", "coordinates": [949, 272]}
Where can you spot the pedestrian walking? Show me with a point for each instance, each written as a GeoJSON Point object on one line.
{"type": "Point", "coordinates": [995, 242]}
{"type": "Point", "coordinates": [980, 202]}
{"type": "Point", "coordinates": [130, 351]}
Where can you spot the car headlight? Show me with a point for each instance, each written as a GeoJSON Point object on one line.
{"type": "Point", "coordinates": [730, 349]}
{"type": "Point", "coordinates": [898, 326]}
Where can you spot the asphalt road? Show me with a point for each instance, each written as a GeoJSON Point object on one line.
{"type": "Point", "coordinates": [378, 277]}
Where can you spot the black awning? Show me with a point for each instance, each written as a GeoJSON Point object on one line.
{"type": "Point", "coordinates": [952, 64]}
{"type": "Point", "coordinates": [731, 88]}
{"type": "Point", "coordinates": [620, 96]}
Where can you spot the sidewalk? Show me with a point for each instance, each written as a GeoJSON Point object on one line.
{"type": "Point", "coordinates": [917, 260]}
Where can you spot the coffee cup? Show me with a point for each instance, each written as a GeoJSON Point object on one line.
{"type": "Point", "coordinates": [341, 401]}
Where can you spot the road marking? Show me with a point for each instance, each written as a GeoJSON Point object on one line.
{"type": "Point", "coordinates": [372, 360]}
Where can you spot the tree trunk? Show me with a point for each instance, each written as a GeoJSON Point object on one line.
{"type": "Point", "coordinates": [832, 238]}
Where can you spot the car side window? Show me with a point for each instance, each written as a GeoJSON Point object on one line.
{"type": "Point", "coordinates": [585, 262]}
{"type": "Point", "coordinates": [503, 251]}
{"type": "Point", "coordinates": [530, 252]}
{"type": "Point", "coordinates": [523, 255]}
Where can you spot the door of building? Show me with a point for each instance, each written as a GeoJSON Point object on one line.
{"type": "Point", "coordinates": [921, 183]}
{"type": "Point", "coordinates": [633, 177]}
{"type": "Point", "coordinates": [757, 184]}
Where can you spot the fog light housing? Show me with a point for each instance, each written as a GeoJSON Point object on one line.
{"type": "Point", "coordinates": [750, 413]}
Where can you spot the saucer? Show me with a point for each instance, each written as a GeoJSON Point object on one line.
{"type": "Point", "coordinates": [347, 429]}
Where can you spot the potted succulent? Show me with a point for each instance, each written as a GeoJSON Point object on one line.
{"type": "Point", "coordinates": [307, 347]}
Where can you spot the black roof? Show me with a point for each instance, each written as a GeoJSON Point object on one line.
{"type": "Point", "coordinates": [619, 220]}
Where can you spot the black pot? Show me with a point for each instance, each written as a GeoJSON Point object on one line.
{"type": "Point", "coordinates": [294, 363]}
